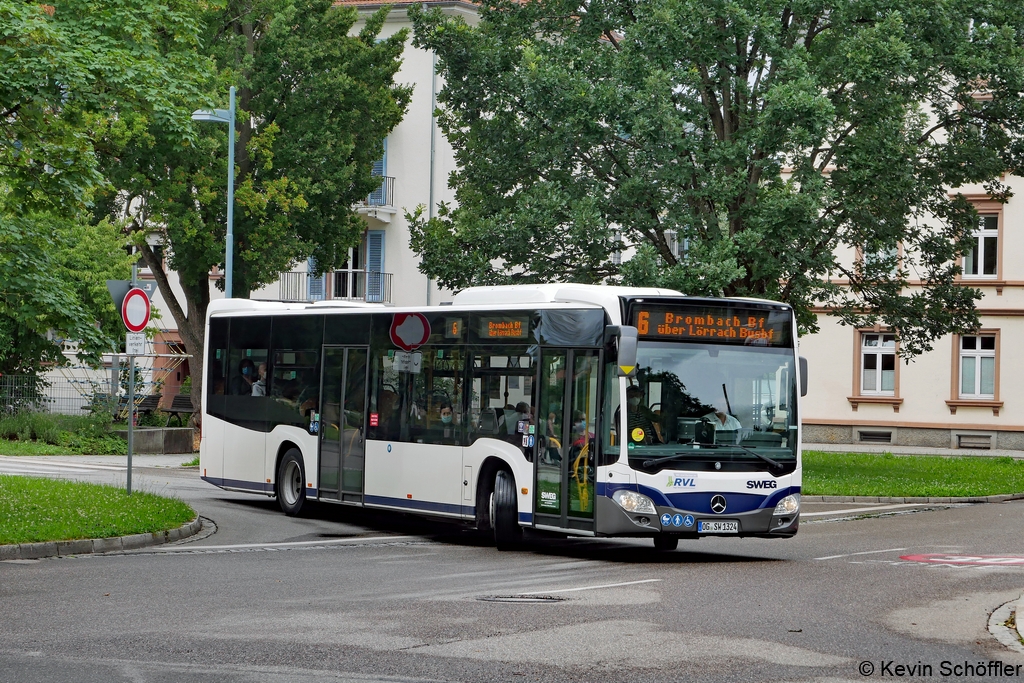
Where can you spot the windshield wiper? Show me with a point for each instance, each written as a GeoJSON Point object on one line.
{"type": "Point", "coordinates": [655, 461]}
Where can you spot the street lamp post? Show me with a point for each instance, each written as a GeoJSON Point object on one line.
{"type": "Point", "coordinates": [228, 117]}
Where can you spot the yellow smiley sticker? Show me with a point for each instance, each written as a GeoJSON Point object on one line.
{"type": "Point", "coordinates": [638, 434]}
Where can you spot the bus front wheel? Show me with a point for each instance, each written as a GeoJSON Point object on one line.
{"type": "Point", "coordinates": [505, 512]}
{"type": "Point", "coordinates": [291, 489]}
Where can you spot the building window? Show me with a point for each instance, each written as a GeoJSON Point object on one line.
{"type": "Point", "coordinates": [883, 261]}
{"type": "Point", "coordinates": [983, 258]}
{"type": "Point", "coordinates": [978, 366]}
{"type": "Point", "coordinates": [878, 365]}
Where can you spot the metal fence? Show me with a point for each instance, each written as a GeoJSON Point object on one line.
{"type": "Point", "coordinates": [357, 285]}
{"type": "Point", "coordinates": [28, 393]}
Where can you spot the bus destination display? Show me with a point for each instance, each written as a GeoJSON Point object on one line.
{"type": "Point", "coordinates": [504, 327]}
{"type": "Point", "coordinates": [721, 325]}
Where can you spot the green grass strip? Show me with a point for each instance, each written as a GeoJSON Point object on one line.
{"type": "Point", "coordinates": [35, 509]}
{"type": "Point", "coordinates": [869, 474]}
{"type": "Point", "coordinates": [33, 448]}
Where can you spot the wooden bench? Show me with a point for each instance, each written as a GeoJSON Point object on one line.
{"type": "Point", "coordinates": [147, 405]}
{"type": "Point", "coordinates": [180, 404]}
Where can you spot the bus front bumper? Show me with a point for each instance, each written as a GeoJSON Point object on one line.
{"type": "Point", "coordinates": [612, 520]}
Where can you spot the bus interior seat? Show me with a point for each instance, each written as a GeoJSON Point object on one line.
{"type": "Point", "coordinates": [488, 422]}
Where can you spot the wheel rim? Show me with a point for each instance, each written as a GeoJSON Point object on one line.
{"type": "Point", "coordinates": [292, 483]}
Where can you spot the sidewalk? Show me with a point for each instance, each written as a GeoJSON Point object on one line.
{"type": "Point", "coordinates": [112, 460]}
{"type": "Point", "coordinates": [909, 450]}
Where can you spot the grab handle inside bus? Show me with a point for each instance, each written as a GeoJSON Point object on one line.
{"type": "Point", "coordinates": [625, 337]}
{"type": "Point", "coordinates": [803, 376]}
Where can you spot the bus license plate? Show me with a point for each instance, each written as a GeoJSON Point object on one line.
{"type": "Point", "coordinates": [718, 527]}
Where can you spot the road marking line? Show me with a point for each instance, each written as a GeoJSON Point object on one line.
{"type": "Point", "coordinates": [16, 461]}
{"type": "Point", "coordinates": [289, 544]}
{"type": "Point", "coordinates": [847, 511]}
{"type": "Point", "coordinates": [591, 588]}
{"type": "Point", "coordinates": [865, 552]}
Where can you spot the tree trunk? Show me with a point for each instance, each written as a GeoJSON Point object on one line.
{"type": "Point", "coordinates": [191, 325]}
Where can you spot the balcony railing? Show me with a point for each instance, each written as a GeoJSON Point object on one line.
{"type": "Point", "coordinates": [349, 285]}
{"type": "Point", "coordinates": [383, 195]}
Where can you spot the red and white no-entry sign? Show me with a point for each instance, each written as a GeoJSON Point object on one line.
{"type": "Point", "coordinates": [135, 310]}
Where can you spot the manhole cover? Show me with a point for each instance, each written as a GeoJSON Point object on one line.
{"type": "Point", "coordinates": [521, 598]}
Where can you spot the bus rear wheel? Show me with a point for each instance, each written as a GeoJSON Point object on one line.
{"type": "Point", "coordinates": [505, 512]}
{"type": "Point", "coordinates": [666, 542]}
{"type": "Point", "coordinates": [291, 489]}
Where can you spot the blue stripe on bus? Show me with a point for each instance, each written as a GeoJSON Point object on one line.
{"type": "Point", "coordinates": [257, 486]}
{"type": "Point", "coordinates": [526, 517]}
{"type": "Point", "coordinates": [422, 505]}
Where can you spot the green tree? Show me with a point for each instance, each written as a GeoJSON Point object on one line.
{"type": "Point", "coordinates": [314, 106]}
{"type": "Point", "coordinates": [69, 68]}
{"type": "Point", "coordinates": [761, 136]}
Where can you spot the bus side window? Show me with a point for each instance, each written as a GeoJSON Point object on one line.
{"type": "Point", "coordinates": [248, 350]}
{"type": "Point", "coordinates": [293, 377]}
{"type": "Point", "coordinates": [216, 364]}
{"type": "Point", "coordinates": [501, 402]}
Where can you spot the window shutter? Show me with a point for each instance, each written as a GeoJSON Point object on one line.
{"type": "Point", "coordinates": [374, 265]}
{"type": "Point", "coordinates": [315, 284]}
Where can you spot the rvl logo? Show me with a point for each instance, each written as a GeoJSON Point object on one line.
{"type": "Point", "coordinates": [682, 482]}
{"type": "Point", "coordinates": [769, 484]}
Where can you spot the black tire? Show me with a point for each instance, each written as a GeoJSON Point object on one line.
{"type": "Point", "coordinates": [666, 542]}
{"type": "Point", "coordinates": [508, 535]}
{"type": "Point", "coordinates": [291, 483]}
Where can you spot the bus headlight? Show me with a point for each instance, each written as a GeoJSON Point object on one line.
{"type": "Point", "coordinates": [789, 505]}
{"type": "Point", "coordinates": [631, 501]}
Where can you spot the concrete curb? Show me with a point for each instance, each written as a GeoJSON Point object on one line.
{"type": "Point", "coordinates": [85, 546]}
{"type": "Point", "coordinates": [1018, 617]}
{"type": "Point", "coordinates": [911, 499]}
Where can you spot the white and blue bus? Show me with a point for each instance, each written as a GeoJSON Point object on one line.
{"type": "Point", "coordinates": [586, 410]}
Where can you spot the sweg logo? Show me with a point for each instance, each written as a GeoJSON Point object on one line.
{"type": "Point", "coordinates": [548, 495]}
{"type": "Point", "coordinates": [762, 484]}
{"type": "Point", "coordinates": [682, 482]}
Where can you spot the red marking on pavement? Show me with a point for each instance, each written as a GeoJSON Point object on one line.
{"type": "Point", "coordinates": [1001, 560]}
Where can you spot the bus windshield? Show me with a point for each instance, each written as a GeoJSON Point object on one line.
{"type": "Point", "coordinates": [711, 403]}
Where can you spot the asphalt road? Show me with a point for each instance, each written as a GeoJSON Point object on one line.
{"type": "Point", "coordinates": [347, 595]}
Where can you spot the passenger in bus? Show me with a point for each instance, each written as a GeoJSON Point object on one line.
{"type": "Point", "coordinates": [259, 387]}
{"type": "Point", "coordinates": [640, 421]}
{"type": "Point", "coordinates": [446, 417]}
{"type": "Point", "coordinates": [241, 384]}
{"type": "Point", "coordinates": [387, 407]}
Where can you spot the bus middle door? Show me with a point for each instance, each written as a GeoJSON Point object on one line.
{"type": "Point", "coordinates": [342, 424]}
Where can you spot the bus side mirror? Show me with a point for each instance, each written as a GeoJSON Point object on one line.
{"type": "Point", "coordinates": [803, 376]}
{"type": "Point", "coordinates": [625, 337]}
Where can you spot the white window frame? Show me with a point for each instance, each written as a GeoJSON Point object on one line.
{"type": "Point", "coordinates": [977, 354]}
{"type": "Point", "coordinates": [885, 346]}
{"type": "Point", "coordinates": [977, 253]}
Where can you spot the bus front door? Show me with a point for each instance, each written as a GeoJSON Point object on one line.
{"type": "Point", "coordinates": [564, 460]}
{"type": "Point", "coordinates": [342, 424]}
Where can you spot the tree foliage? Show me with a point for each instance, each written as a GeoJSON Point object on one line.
{"type": "Point", "coordinates": [764, 137]}
{"type": "Point", "coordinates": [69, 69]}
{"type": "Point", "coordinates": [314, 106]}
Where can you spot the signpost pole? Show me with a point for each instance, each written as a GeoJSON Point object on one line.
{"type": "Point", "coordinates": [131, 394]}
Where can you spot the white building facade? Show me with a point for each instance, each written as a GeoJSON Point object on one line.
{"type": "Point", "coordinates": [965, 393]}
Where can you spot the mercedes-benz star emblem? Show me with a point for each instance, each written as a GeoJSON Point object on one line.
{"type": "Point", "coordinates": [718, 504]}
{"type": "Point", "coordinates": [718, 465]}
